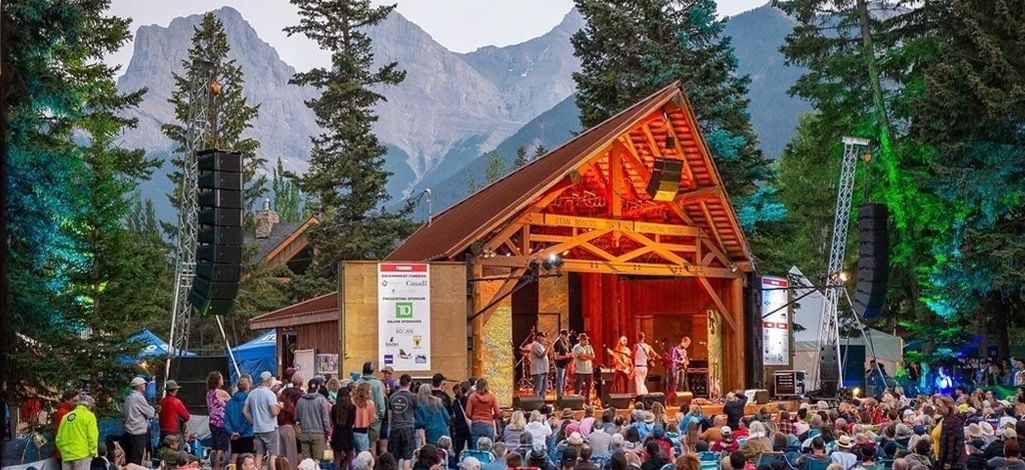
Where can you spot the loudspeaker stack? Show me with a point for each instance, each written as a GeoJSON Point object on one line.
{"type": "Point", "coordinates": [665, 179]}
{"type": "Point", "coordinates": [873, 260]}
{"type": "Point", "coordinates": [219, 236]}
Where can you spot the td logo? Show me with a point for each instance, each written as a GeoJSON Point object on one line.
{"type": "Point", "coordinates": [404, 310]}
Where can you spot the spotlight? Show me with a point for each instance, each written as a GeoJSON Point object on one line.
{"type": "Point", "coordinates": [856, 392]}
{"type": "Point", "coordinates": [843, 276]}
{"type": "Point", "coordinates": [552, 263]}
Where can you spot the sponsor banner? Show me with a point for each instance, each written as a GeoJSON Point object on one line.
{"type": "Point", "coordinates": [404, 316]}
{"type": "Point", "coordinates": [775, 326]}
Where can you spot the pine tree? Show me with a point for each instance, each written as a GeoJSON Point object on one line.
{"type": "Point", "coordinates": [346, 174]}
{"type": "Point", "coordinates": [630, 49]}
{"type": "Point", "coordinates": [521, 157]}
{"type": "Point", "coordinates": [495, 168]}
{"type": "Point", "coordinates": [471, 183]}
{"type": "Point", "coordinates": [287, 197]}
{"type": "Point", "coordinates": [228, 116]}
{"type": "Point", "coordinates": [72, 261]}
{"type": "Point", "coordinates": [539, 151]}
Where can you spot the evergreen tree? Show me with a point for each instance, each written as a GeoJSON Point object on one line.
{"type": "Point", "coordinates": [539, 151]}
{"type": "Point", "coordinates": [346, 174]}
{"type": "Point", "coordinates": [471, 183]}
{"type": "Point", "coordinates": [521, 157]}
{"type": "Point", "coordinates": [72, 262]}
{"type": "Point", "coordinates": [630, 49]}
{"type": "Point", "coordinates": [495, 168]}
{"type": "Point", "coordinates": [287, 197]}
{"type": "Point", "coordinates": [228, 115]}
{"type": "Point", "coordinates": [154, 275]}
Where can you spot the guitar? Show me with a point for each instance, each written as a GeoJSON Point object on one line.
{"type": "Point", "coordinates": [621, 361]}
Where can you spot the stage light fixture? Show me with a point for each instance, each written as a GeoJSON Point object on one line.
{"type": "Point", "coordinates": [843, 276]}
{"type": "Point", "coordinates": [670, 142]}
{"type": "Point", "coordinates": [856, 392]}
{"type": "Point", "coordinates": [552, 263]}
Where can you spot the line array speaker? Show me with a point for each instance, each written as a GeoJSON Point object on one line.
{"type": "Point", "coordinates": [219, 235]}
{"type": "Point", "coordinates": [873, 260]}
{"type": "Point", "coordinates": [665, 179]}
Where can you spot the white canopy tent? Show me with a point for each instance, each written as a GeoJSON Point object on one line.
{"type": "Point", "coordinates": [808, 314]}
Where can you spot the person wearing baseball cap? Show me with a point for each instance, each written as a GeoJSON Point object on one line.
{"type": "Point", "coordinates": [137, 413]}
{"type": "Point", "coordinates": [173, 414]}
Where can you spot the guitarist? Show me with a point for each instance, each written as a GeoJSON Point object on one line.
{"type": "Point", "coordinates": [679, 363]}
{"type": "Point", "coordinates": [643, 355]}
{"type": "Point", "coordinates": [622, 365]}
{"type": "Point", "coordinates": [563, 354]}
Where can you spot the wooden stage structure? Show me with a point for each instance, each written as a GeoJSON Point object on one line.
{"type": "Point", "coordinates": [638, 213]}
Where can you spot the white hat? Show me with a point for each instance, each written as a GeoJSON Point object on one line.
{"type": "Point", "coordinates": [725, 431]}
{"type": "Point", "coordinates": [308, 464]}
{"type": "Point", "coordinates": [266, 375]}
{"type": "Point", "coordinates": [138, 381]}
{"type": "Point", "coordinates": [575, 439]}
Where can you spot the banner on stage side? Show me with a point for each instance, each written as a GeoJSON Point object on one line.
{"type": "Point", "coordinates": [775, 325]}
{"type": "Point", "coordinates": [404, 315]}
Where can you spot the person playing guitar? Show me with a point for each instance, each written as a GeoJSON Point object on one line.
{"type": "Point", "coordinates": [644, 354]}
{"type": "Point", "coordinates": [679, 362]}
{"type": "Point", "coordinates": [622, 364]}
{"type": "Point", "coordinates": [563, 356]}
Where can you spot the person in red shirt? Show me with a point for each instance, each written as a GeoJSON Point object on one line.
{"type": "Point", "coordinates": [173, 413]}
{"type": "Point", "coordinates": [69, 400]}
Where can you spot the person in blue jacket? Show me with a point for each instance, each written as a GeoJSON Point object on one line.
{"type": "Point", "coordinates": [238, 428]}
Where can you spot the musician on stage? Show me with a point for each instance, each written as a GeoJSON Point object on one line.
{"type": "Point", "coordinates": [539, 364]}
{"type": "Point", "coordinates": [679, 362]}
{"type": "Point", "coordinates": [622, 364]}
{"type": "Point", "coordinates": [563, 354]}
{"type": "Point", "coordinates": [643, 354]}
{"type": "Point", "coordinates": [583, 355]}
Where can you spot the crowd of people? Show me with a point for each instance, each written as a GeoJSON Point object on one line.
{"type": "Point", "coordinates": [383, 422]}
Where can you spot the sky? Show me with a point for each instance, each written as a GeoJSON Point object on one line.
{"type": "Point", "coordinates": [459, 25]}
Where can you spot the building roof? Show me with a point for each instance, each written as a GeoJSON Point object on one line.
{"type": "Point", "coordinates": [322, 308]}
{"type": "Point", "coordinates": [452, 231]}
{"type": "Point", "coordinates": [278, 234]}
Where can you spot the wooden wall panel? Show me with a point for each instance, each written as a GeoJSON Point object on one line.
{"type": "Point", "coordinates": [358, 283]}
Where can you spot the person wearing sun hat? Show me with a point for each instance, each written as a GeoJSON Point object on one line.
{"type": "Point", "coordinates": [988, 433]}
{"type": "Point", "coordinates": [843, 455]}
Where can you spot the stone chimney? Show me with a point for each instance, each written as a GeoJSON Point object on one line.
{"type": "Point", "coordinates": [265, 220]}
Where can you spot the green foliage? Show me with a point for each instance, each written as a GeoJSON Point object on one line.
{"type": "Point", "coordinates": [228, 115]}
{"type": "Point", "coordinates": [471, 183]}
{"type": "Point", "coordinates": [521, 157]}
{"type": "Point", "coordinates": [495, 168]}
{"type": "Point", "coordinates": [287, 197]}
{"type": "Point", "coordinates": [346, 174]}
{"type": "Point", "coordinates": [539, 151]}
{"type": "Point", "coordinates": [74, 265]}
{"type": "Point", "coordinates": [630, 49]}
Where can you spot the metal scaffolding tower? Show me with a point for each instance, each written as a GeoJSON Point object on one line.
{"type": "Point", "coordinates": [199, 97]}
{"type": "Point", "coordinates": [829, 331]}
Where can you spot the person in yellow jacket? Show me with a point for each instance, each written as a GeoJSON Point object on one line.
{"type": "Point", "coordinates": [78, 436]}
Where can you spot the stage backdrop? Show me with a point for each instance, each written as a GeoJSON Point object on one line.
{"type": "Point", "coordinates": [360, 320]}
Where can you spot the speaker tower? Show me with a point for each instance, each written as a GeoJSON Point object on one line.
{"type": "Point", "coordinates": [219, 235]}
{"type": "Point", "coordinates": [873, 260]}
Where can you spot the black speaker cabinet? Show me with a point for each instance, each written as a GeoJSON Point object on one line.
{"type": "Point", "coordinates": [621, 401]}
{"type": "Point", "coordinates": [528, 403]}
{"type": "Point", "coordinates": [651, 398]}
{"type": "Point", "coordinates": [573, 402]}
{"type": "Point", "coordinates": [697, 381]}
{"type": "Point", "coordinates": [873, 260]}
{"type": "Point", "coordinates": [665, 179]}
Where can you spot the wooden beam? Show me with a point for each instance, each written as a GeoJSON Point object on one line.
{"type": "Point", "coordinates": [598, 251]}
{"type": "Point", "coordinates": [626, 257]}
{"type": "Point", "coordinates": [679, 150]}
{"type": "Point", "coordinates": [701, 194]}
{"type": "Point", "coordinates": [615, 183]}
{"type": "Point", "coordinates": [659, 250]}
{"type": "Point", "coordinates": [711, 224]}
{"type": "Point", "coordinates": [553, 194]}
{"type": "Point", "coordinates": [726, 314]}
{"type": "Point", "coordinates": [572, 242]}
{"type": "Point", "coordinates": [545, 238]}
{"type": "Point", "coordinates": [608, 267]}
{"type": "Point", "coordinates": [714, 252]}
{"type": "Point", "coordinates": [596, 223]}
{"type": "Point", "coordinates": [502, 236]}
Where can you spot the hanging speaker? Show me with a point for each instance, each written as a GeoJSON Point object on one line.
{"type": "Point", "coordinates": [665, 179]}
{"type": "Point", "coordinates": [219, 235]}
{"type": "Point", "coordinates": [873, 260]}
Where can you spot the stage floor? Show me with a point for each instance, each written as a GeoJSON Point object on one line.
{"type": "Point", "coordinates": [708, 407]}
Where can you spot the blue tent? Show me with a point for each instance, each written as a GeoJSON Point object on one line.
{"type": "Point", "coordinates": [152, 346]}
{"type": "Point", "coordinates": [257, 355]}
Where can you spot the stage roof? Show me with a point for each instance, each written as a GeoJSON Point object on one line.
{"type": "Point", "coordinates": [318, 309]}
{"type": "Point", "coordinates": [701, 201]}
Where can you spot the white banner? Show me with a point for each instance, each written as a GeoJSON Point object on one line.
{"type": "Point", "coordinates": [775, 326]}
{"type": "Point", "coordinates": [404, 316]}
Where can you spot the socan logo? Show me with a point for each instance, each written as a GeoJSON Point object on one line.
{"type": "Point", "coordinates": [404, 310]}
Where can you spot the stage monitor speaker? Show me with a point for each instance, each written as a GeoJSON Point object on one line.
{"type": "Point", "coordinates": [528, 403]}
{"type": "Point", "coordinates": [573, 402]}
{"type": "Point", "coordinates": [621, 401]}
{"type": "Point", "coordinates": [665, 179]}
{"type": "Point", "coordinates": [873, 260]}
{"type": "Point", "coordinates": [651, 398]}
{"type": "Point", "coordinates": [757, 395]}
{"type": "Point", "coordinates": [683, 399]}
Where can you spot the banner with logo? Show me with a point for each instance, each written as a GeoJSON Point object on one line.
{"type": "Point", "coordinates": [775, 322]}
{"type": "Point", "coordinates": [404, 316]}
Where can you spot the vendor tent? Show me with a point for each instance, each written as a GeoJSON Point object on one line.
{"type": "Point", "coordinates": [152, 346]}
{"type": "Point", "coordinates": [258, 355]}
{"type": "Point", "coordinates": [808, 314]}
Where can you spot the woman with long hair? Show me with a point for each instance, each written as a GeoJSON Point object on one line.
{"type": "Point", "coordinates": [343, 417]}
{"type": "Point", "coordinates": [951, 442]}
{"type": "Point", "coordinates": [482, 410]}
{"type": "Point", "coordinates": [460, 422]}
{"type": "Point", "coordinates": [216, 400]}
{"type": "Point", "coordinates": [659, 410]}
{"type": "Point", "coordinates": [332, 390]}
{"type": "Point", "coordinates": [512, 431]}
{"type": "Point", "coordinates": [365, 411]}
{"type": "Point", "coordinates": [431, 417]}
